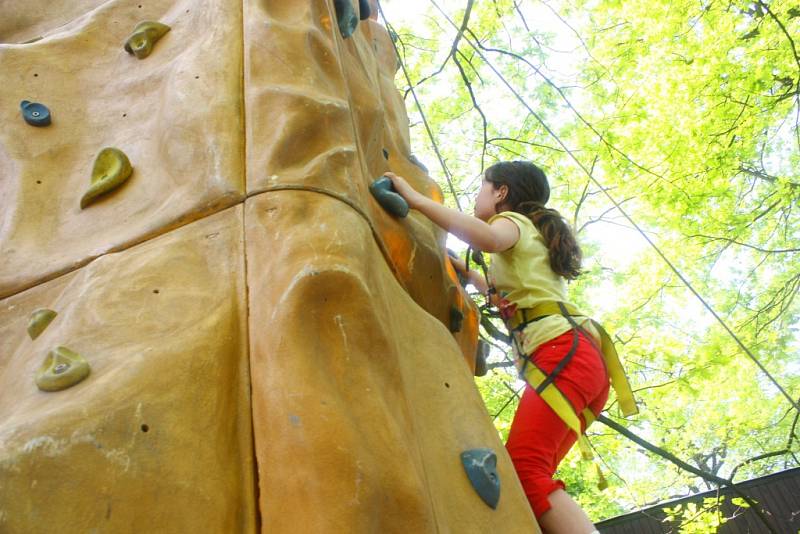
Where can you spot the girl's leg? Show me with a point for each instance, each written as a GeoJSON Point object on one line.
{"type": "Point", "coordinates": [533, 443]}
{"type": "Point", "coordinates": [565, 516]}
{"type": "Point", "coordinates": [539, 439]}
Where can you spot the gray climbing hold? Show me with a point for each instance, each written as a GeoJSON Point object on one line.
{"type": "Point", "coordinates": [413, 159]}
{"type": "Point", "coordinates": [481, 358]}
{"type": "Point", "coordinates": [39, 321]}
{"type": "Point", "coordinates": [383, 191]}
{"type": "Point", "coordinates": [481, 468]}
{"type": "Point", "coordinates": [140, 43]}
{"type": "Point", "coordinates": [62, 368]}
{"type": "Point", "coordinates": [34, 113]}
{"type": "Point", "coordinates": [111, 169]}
{"type": "Point", "coordinates": [346, 17]}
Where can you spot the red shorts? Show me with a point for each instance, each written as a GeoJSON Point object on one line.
{"type": "Point", "coordinates": [539, 439]}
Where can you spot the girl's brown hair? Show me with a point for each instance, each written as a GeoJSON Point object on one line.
{"type": "Point", "coordinates": [528, 192]}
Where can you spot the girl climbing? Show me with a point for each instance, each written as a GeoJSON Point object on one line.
{"type": "Point", "coordinates": [533, 251]}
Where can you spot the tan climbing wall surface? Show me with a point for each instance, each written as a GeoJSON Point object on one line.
{"type": "Point", "coordinates": [242, 263]}
{"type": "Point", "coordinates": [158, 437]}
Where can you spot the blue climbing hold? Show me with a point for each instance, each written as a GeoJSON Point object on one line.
{"type": "Point", "coordinates": [363, 9]}
{"type": "Point", "coordinates": [34, 113]}
{"type": "Point", "coordinates": [481, 468]}
{"type": "Point", "coordinates": [383, 191]}
{"type": "Point", "coordinates": [346, 17]}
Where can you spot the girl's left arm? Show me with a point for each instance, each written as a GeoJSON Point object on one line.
{"type": "Point", "coordinates": [501, 235]}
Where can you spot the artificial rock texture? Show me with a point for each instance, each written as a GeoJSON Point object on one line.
{"type": "Point", "coordinates": [244, 263]}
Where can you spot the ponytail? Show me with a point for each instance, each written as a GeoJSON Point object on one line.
{"type": "Point", "coordinates": [562, 247]}
{"type": "Point", "coordinates": [528, 192]}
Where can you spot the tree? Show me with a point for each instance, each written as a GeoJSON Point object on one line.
{"type": "Point", "coordinates": [686, 114]}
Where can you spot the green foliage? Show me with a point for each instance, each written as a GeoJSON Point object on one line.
{"type": "Point", "coordinates": [686, 113]}
{"type": "Point", "coordinates": [705, 518]}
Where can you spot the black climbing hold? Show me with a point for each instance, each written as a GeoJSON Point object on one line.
{"type": "Point", "coordinates": [34, 113]}
{"type": "Point", "coordinates": [481, 365]}
{"type": "Point", "coordinates": [413, 159]}
{"type": "Point", "coordinates": [481, 468]}
{"type": "Point", "coordinates": [385, 153]}
{"type": "Point", "coordinates": [456, 319]}
{"type": "Point", "coordinates": [477, 257]}
{"type": "Point", "coordinates": [383, 191]}
{"type": "Point", "coordinates": [346, 17]}
{"type": "Point", "coordinates": [363, 9]}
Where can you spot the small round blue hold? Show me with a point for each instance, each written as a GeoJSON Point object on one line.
{"type": "Point", "coordinates": [34, 113]}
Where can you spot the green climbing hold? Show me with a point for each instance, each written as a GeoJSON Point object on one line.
{"type": "Point", "coordinates": [481, 468]}
{"type": "Point", "coordinates": [61, 369]}
{"type": "Point", "coordinates": [346, 17]}
{"type": "Point", "coordinates": [140, 43]}
{"type": "Point", "coordinates": [39, 321]}
{"type": "Point", "coordinates": [111, 169]}
{"type": "Point", "coordinates": [383, 191]}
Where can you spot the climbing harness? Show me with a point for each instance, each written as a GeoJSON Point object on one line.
{"type": "Point", "coordinates": [544, 383]}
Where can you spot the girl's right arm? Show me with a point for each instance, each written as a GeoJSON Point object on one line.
{"type": "Point", "coordinates": [501, 235]}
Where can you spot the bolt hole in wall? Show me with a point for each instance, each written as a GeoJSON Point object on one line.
{"type": "Point", "coordinates": [38, 181]}
{"type": "Point", "coordinates": [145, 428]}
{"type": "Point", "coordinates": [156, 291]}
{"type": "Point", "coordinates": [35, 75]}
{"type": "Point", "coordinates": [446, 385]}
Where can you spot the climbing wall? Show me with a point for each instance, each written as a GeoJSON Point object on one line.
{"type": "Point", "coordinates": [239, 338]}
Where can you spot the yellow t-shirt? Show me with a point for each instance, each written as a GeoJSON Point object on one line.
{"type": "Point", "coordinates": [523, 276]}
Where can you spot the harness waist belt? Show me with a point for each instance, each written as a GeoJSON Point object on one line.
{"type": "Point", "coordinates": [535, 377]}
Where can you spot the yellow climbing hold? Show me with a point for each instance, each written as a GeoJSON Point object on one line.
{"type": "Point", "coordinates": [39, 321]}
{"type": "Point", "coordinates": [140, 43]}
{"type": "Point", "coordinates": [61, 369]}
{"type": "Point", "coordinates": [111, 169]}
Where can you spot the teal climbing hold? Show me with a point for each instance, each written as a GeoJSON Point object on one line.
{"type": "Point", "coordinates": [383, 191]}
{"type": "Point", "coordinates": [481, 468]}
{"type": "Point", "coordinates": [363, 9]}
{"type": "Point", "coordinates": [346, 17]}
{"type": "Point", "coordinates": [34, 113]}
{"type": "Point", "coordinates": [140, 43]}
